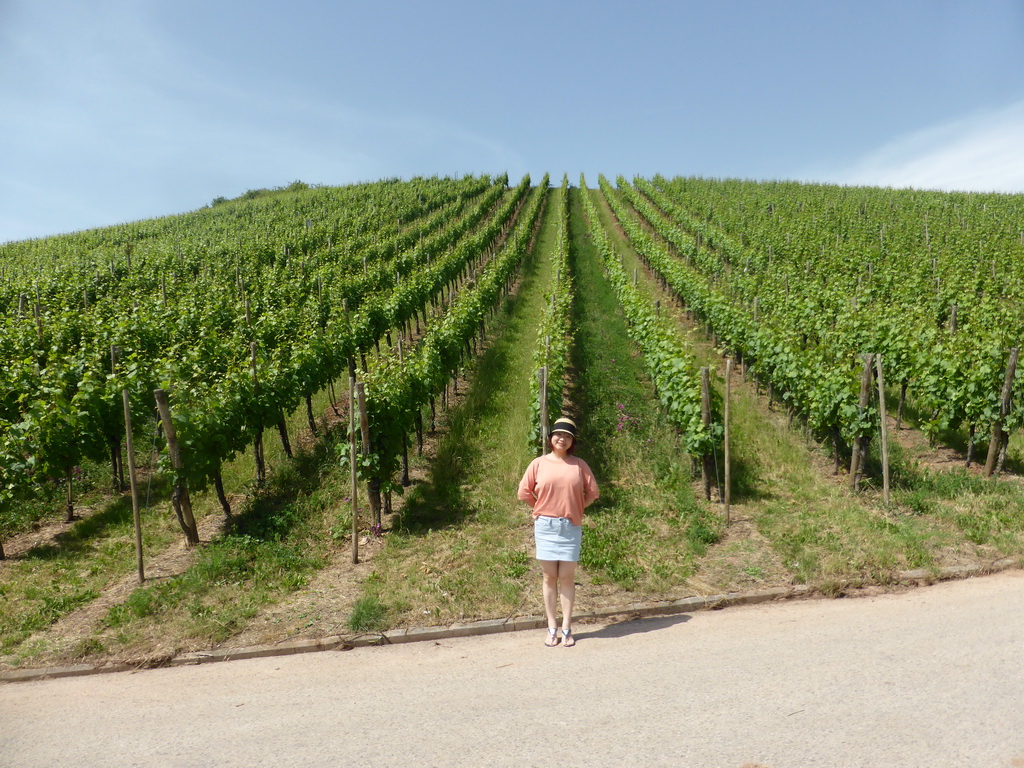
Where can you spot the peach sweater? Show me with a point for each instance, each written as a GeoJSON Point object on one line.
{"type": "Point", "coordinates": [556, 488]}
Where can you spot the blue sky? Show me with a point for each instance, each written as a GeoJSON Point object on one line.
{"type": "Point", "coordinates": [117, 110]}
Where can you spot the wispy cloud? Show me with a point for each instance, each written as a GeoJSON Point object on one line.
{"type": "Point", "coordinates": [109, 118]}
{"type": "Point", "coordinates": [981, 153]}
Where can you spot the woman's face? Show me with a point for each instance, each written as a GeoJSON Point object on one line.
{"type": "Point", "coordinates": [561, 441]}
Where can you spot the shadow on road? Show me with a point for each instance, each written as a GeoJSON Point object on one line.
{"type": "Point", "coordinates": [633, 627]}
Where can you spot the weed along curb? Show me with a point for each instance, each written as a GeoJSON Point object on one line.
{"type": "Point", "coordinates": [495, 626]}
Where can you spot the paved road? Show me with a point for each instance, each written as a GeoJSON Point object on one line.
{"type": "Point", "coordinates": [928, 678]}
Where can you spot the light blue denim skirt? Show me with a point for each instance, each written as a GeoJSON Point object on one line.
{"type": "Point", "coordinates": [557, 538]}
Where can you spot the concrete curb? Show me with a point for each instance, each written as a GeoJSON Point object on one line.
{"type": "Point", "coordinates": [918, 577]}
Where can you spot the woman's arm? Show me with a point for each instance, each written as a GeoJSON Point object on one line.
{"type": "Point", "coordinates": [590, 490]}
{"type": "Point", "coordinates": [527, 485]}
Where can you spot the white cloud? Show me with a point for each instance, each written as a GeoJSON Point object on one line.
{"type": "Point", "coordinates": [980, 153]}
{"type": "Point", "coordinates": [109, 118]}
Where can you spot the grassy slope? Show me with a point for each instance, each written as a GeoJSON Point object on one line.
{"type": "Point", "coordinates": [647, 528]}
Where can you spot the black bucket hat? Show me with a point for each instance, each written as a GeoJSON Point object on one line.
{"type": "Point", "coordinates": [563, 424]}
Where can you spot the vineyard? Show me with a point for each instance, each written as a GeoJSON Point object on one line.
{"type": "Point", "coordinates": [777, 383]}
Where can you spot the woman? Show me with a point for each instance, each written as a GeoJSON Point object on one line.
{"type": "Point", "coordinates": [558, 487]}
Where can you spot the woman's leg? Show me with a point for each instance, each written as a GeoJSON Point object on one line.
{"type": "Point", "coordinates": [550, 589]}
{"type": "Point", "coordinates": [567, 590]}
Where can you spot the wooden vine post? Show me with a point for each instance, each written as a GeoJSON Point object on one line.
{"type": "Point", "coordinates": [707, 460]}
{"type": "Point", "coordinates": [257, 445]}
{"type": "Point", "coordinates": [352, 461]}
{"type": "Point", "coordinates": [179, 496]}
{"type": "Point", "coordinates": [69, 476]}
{"type": "Point", "coordinates": [542, 375]}
{"type": "Point", "coordinates": [282, 430]}
{"type": "Point", "coordinates": [309, 415]}
{"type": "Point", "coordinates": [859, 457]}
{"type": "Point", "coordinates": [405, 437]}
{"type": "Point", "coordinates": [728, 470]}
{"type": "Point", "coordinates": [884, 430]}
{"type": "Point", "coordinates": [136, 517]}
{"type": "Point", "coordinates": [372, 484]}
{"type": "Point", "coordinates": [997, 445]}
{"type": "Point", "coordinates": [116, 461]}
